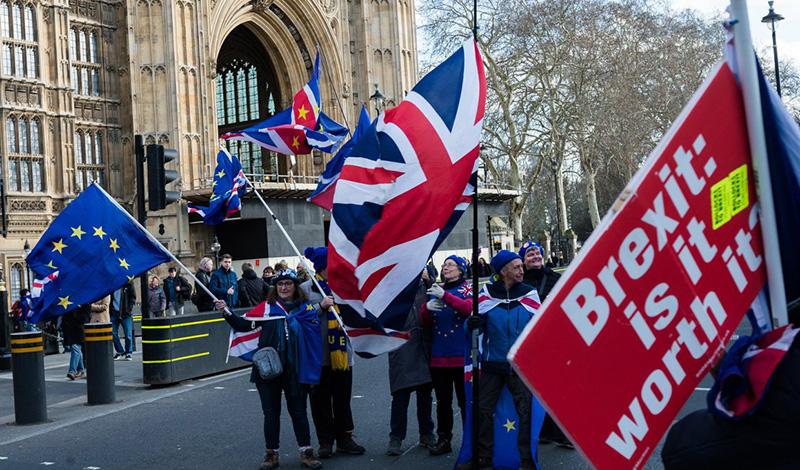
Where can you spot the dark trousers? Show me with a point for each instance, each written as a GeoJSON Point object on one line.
{"type": "Point", "coordinates": [270, 394]}
{"type": "Point", "coordinates": [330, 405]}
{"type": "Point", "coordinates": [445, 379]}
{"type": "Point", "coordinates": [400, 400]}
{"type": "Point", "coordinates": [767, 439]}
{"type": "Point", "coordinates": [490, 384]}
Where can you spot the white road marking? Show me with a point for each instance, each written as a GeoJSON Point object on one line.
{"type": "Point", "coordinates": [219, 388]}
{"type": "Point", "coordinates": [702, 389]}
{"type": "Point", "coordinates": [3, 458]}
{"type": "Point", "coordinates": [233, 372]}
{"type": "Point", "coordinates": [252, 390]}
{"type": "Point", "coordinates": [48, 463]}
{"type": "Point", "coordinates": [358, 396]}
{"type": "Point", "coordinates": [91, 468]}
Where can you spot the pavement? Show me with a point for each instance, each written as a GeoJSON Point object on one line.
{"type": "Point", "coordinates": [212, 422]}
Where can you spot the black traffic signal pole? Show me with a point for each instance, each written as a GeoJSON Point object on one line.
{"type": "Point", "coordinates": [141, 216]}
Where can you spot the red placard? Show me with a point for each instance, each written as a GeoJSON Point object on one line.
{"type": "Point", "coordinates": [657, 291]}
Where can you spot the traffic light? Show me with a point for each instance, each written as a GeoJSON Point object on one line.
{"type": "Point", "coordinates": [158, 177]}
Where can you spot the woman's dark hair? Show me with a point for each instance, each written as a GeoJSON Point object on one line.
{"type": "Point", "coordinates": [23, 292]}
{"type": "Point", "coordinates": [299, 294]}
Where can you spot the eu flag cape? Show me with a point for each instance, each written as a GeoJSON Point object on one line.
{"type": "Point", "coordinates": [91, 249]}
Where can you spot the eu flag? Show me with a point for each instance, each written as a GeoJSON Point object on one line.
{"type": "Point", "coordinates": [228, 187]}
{"type": "Point", "coordinates": [91, 249]}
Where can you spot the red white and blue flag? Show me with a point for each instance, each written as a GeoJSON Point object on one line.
{"type": "Point", "coordinates": [228, 187]}
{"type": "Point", "coordinates": [244, 344]}
{"type": "Point", "coordinates": [297, 130]}
{"type": "Point", "coordinates": [399, 194]}
{"type": "Point", "coordinates": [326, 186]}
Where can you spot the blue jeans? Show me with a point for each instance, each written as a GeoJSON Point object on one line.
{"type": "Point", "coordinates": [75, 358]}
{"type": "Point", "coordinates": [127, 328]}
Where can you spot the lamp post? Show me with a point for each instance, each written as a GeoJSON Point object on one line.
{"type": "Point", "coordinates": [27, 249]}
{"type": "Point", "coordinates": [215, 247]}
{"type": "Point", "coordinates": [770, 20]}
{"type": "Point", "coordinates": [557, 240]}
{"type": "Point", "coordinates": [378, 99]}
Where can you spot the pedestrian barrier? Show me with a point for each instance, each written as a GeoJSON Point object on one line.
{"type": "Point", "coordinates": [27, 363]}
{"type": "Point", "coordinates": [99, 357]}
{"type": "Point", "coordinates": [185, 347]}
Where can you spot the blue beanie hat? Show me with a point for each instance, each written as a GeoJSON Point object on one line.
{"type": "Point", "coordinates": [502, 258]}
{"type": "Point", "coordinates": [318, 256]}
{"type": "Point", "coordinates": [460, 262]}
{"type": "Point", "coordinates": [527, 246]}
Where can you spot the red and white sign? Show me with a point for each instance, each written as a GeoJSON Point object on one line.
{"type": "Point", "coordinates": [657, 291]}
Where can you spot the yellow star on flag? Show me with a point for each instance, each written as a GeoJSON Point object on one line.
{"type": "Point", "coordinates": [130, 278]}
{"type": "Point", "coordinates": [98, 232]}
{"type": "Point", "coordinates": [296, 142]}
{"type": "Point", "coordinates": [510, 425]}
{"type": "Point", "coordinates": [64, 302]}
{"type": "Point", "coordinates": [303, 112]}
{"type": "Point", "coordinates": [221, 173]}
{"type": "Point", "coordinates": [51, 265]}
{"type": "Point", "coordinates": [59, 245]}
{"type": "Point", "coordinates": [77, 232]}
{"type": "Point", "coordinates": [214, 197]}
{"type": "Point", "coordinates": [123, 263]}
{"type": "Point", "coordinates": [114, 246]}
{"type": "Point", "coordinates": [214, 184]}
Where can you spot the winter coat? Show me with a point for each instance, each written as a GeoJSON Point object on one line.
{"type": "Point", "coordinates": [221, 281]}
{"type": "Point", "coordinates": [314, 298]}
{"type": "Point", "coordinates": [408, 365]}
{"type": "Point", "coordinates": [200, 297]}
{"type": "Point", "coordinates": [504, 323]}
{"type": "Point", "coordinates": [99, 311]}
{"type": "Point", "coordinates": [127, 299]}
{"type": "Point", "coordinates": [251, 289]}
{"type": "Point", "coordinates": [543, 280]}
{"type": "Point", "coordinates": [72, 325]}
{"type": "Point", "coordinates": [449, 338]}
{"type": "Point", "coordinates": [156, 300]}
{"type": "Point", "coordinates": [173, 295]}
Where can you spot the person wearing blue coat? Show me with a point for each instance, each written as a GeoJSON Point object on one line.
{"type": "Point", "coordinates": [224, 284]}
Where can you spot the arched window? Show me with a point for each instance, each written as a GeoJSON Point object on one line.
{"type": "Point", "coordinates": [93, 48]}
{"type": "Point", "coordinates": [23, 135]}
{"type": "Point", "coordinates": [36, 143]}
{"type": "Point", "coordinates": [11, 129]}
{"type": "Point", "coordinates": [82, 44]}
{"type": "Point", "coordinates": [30, 29]}
{"type": "Point", "coordinates": [78, 146]}
{"type": "Point", "coordinates": [73, 44]}
{"type": "Point", "coordinates": [19, 60]}
{"type": "Point", "coordinates": [38, 185]}
{"type": "Point", "coordinates": [8, 56]}
{"type": "Point", "coordinates": [17, 16]}
{"type": "Point", "coordinates": [87, 148]}
{"type": "Point", "coordinates": [33, 62]}
{"type": "Point", "coordinates": [17, 276]}
{"type": "Point", "coordinates": [98, 148]}
{"type": "Point", "coordinates": [5, 26]}
{"type": "Point", "coordinates": [245, 86]}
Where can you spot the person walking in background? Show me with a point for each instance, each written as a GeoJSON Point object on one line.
{"type": "Point", "coordinates": [483, 268]}
{"type": "Point", "coordinates": [121, 308]}
{"type": "Point", "coordinates": [252, 290]}
{"type": "Point", "coordinates": [267, 275]}
{"type": "Point", "coordinates": [156, 299]}
{"type": "Point", "coordinates": [200, 298]}
{"type": "Point", "coordinates": [99, 311]}
{"type": "Point", "coordinates": [20, 311]}
{"type": "Point", "coordinates": [409, 373]}
{"type": "Point", "coordinates": [445, 312]}
{"type": "Point", "coordinates": [223, 282]}
{"type": "Point", "coordinates": [286, 305]}
{"type": "Point", "coordinates": [72, 332]}
{"type": "Point", "coordinates": [302, 275]}
{"type": "Point", "coordinates": [330, 400]}
{"type": "Point", "coordinates": [177, 290]}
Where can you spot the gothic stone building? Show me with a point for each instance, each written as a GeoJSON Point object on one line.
{"type": "Point", "coordinates": [80, 78]}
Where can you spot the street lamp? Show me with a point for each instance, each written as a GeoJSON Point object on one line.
{"type": "Point", "coordinates": [215, 247]}
{"type": "Point", "coordinates": [770, 20]}
{"type": "Point", "coordinates": [27, 249]}
{"type": "Point", "coordinates": [378, 99]}
{"type": "Point", "coordinates": [557, 240]}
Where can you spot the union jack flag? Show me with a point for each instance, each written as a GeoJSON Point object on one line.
{"type": "Point", "coordinates": [400, 192]}
{"type": "Point", "coordinates": [244, 344]}
{"type": "Point", "coordinates": [296, 130]}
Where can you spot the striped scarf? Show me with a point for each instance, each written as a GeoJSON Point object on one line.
{"type": "Point", "coordinates": [337, 341]}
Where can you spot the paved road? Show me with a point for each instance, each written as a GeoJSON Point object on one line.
{"type": "Point", "coordinates": [210, 423]}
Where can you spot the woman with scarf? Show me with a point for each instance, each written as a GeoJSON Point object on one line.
{"type": "Point", "coordinates": [290, 324]}
{"type": "Point", "coordinates": [330, 401]}
{"type": "Point", "coordinates": [445, 312]}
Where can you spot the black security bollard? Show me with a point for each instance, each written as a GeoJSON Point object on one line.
{"type": "Point", "coordinates": [27, 363]}
{"type": "Point", "coordinates": [99, 363]}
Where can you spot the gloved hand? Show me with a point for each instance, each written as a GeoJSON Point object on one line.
{"type": "Point", "coordinates": [475, 321]}
{"type": "Point", "coordinates": [436, 291]}
{"type": "Point", "coordinates": [435, 305]}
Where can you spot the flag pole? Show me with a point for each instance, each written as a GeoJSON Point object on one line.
{"type": "Point", "coordinates": [745, 57]}
{"type": "Point", "coordinates": [475, 351]}
{"type": "Point", "coordinates": [296, 251]}
{"type": "Point", "coordinates": [335, 95]}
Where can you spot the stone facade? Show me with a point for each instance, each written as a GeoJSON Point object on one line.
{"type": "Point", "coordinates": [80, 78]}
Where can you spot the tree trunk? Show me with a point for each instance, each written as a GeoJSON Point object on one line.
{"type": "Point", "coordinates": [517, 207]}
{"type": "Point", "coordinates": [591, 198]}
{"type": "Point", "coordinates": [562, 204]}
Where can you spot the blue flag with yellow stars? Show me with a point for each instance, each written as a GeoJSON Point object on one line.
{"type": "Point", "coordinates": [226, 191]}
{"type": "Point", "coordinates": [91, 249]}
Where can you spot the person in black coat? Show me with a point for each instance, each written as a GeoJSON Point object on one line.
{"type": "Point", "coordinates": [120, 312]}
{"type": "Point", "coordinates": [252, 290]}
{"type": "Point", "coordinates": [200, 298]}
{"type": "Point", "coordinates": [73, 337]}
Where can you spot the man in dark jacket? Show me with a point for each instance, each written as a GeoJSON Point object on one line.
{"type": "Point", "coordinates": [252, 290]}
{"type": "Point", "coordinates": [200, 297]}
{"type": "Point", "coordinates": [223, 282]}
{"type": "Point", "coordinates": [73, 336]}
{"type": "Point", "coordinates": [120, 310]}
{"type": "Point", "coordinates": [177, 290]}
{"type": "Point", "coordinates": [409, 373]}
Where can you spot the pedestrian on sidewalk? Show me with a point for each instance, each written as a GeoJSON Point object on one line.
{"type": "Point", "coordinates": [445, 312]}
{"type": "Point", "coordinates": [409, 373]}
{"type": "Point", "coordinates": [156, 299]}
{"type": "Point", "coordinates": [252, 290]}
{"type": "Point", "coordinates": [330, 400]}
{"type": "Point", "coordinates": [291, 319]}
{"type": "Point", "coordinates": [99, 310]}
{"type": "Point", "coordinates": [121, 310]}
{"type": "Point", "coordinates": [223, 282]}
{"type": "Point", "coordinates": [20, 311]}
{"type": "Point", "coordinates": [177, 291]}
{"type": "Point", "coordinates": [73, 337]}
{"type": "Point", "coordinates": [200, 297]}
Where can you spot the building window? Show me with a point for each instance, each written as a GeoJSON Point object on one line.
{"type": "Point", "coordinates": [17, 275]}
{"type": "Point", "coordinates": [20, 49]}
{"type": "Point", "coordinates": [25, 158]}
{"type": "Point", "coordinates": [85, 64]}
{"type": "Point", "coordinates": [89, 165]}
